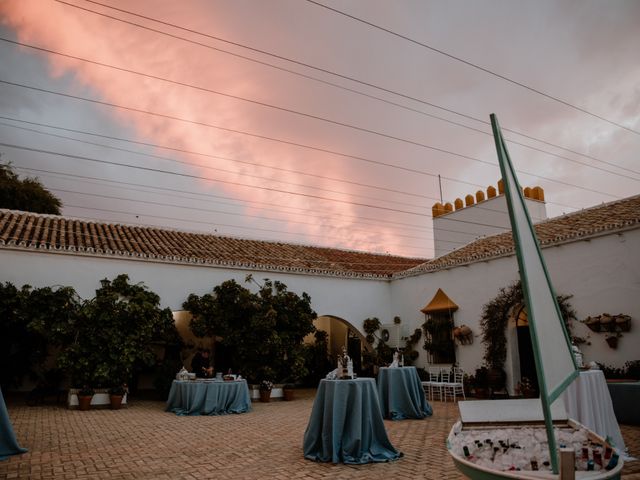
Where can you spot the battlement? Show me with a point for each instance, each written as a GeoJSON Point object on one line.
{"type": "Point", "coordinates": [438, 209]}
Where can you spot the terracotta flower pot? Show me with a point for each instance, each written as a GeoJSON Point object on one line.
{"type": "Point", "coordinates": [116, 401]}
{"type": "Point", "coordinates": [287, 394]}
{"type": "Point", "coordinates": [265, 395]}
{"type": "Point", "coordinates": [84, 402]}
{"type": "Point", "coordinates": [612, 342]}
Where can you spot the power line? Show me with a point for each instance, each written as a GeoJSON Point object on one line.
{"type": "Point", "coordinates": [105, 182]}
{"type": "Point", "coordinates": [193, 195]}
{"type": "Point", "coordinates": [221, 212]}
{"type": "Point", "coordinates": [156, 170]}
{"type": "Point", "coordinates": [288, 142]}
{"type": "Point", "coordinates": [191, 152]}
{"type": "Point", "coordinates": [476, 66]}
{"type": "Point", "coordinates": [330, 72]}
{"type": "Point", "coordinates": [208, 167]}
{"type": "Point", "coordinates": [308, 115]}
{"type": "Point", "coordinates": [80, 157]}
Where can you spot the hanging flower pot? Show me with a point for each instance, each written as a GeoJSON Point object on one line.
{"type": "Point", "coordinates": [612, 341]}
{"type": "Point", "coordinates": [623, 322]}
{"type": "Point", "coordinates": [593, 323]}
{"type": "Point", "coordinates": [606, 322]}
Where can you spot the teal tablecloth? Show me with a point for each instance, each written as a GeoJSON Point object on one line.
{"type": "Point", "coordinates": [401, 394]}
{"type": "Point", "coordinates": [208, 397]}
{"type": "Point", "coordinates": [346, 424]}
{"type": "Point", "coordinates": [8, 443]}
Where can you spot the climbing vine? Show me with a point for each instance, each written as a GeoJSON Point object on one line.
{"type": "Point", "coordinates": [495, 316]}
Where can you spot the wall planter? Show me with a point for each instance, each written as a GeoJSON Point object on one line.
{"type": "Point", "coordinates": [609, 323]}
{"type": "Point", "coordinates": [612, 341]}
{"type": "Point", "coordinates": [463, 335]}
{"type": "Point", "coordinates": [623, 322]}
{"type": "Point", "coordinates": [99, 400]}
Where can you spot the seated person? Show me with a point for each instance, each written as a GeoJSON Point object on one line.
{"type": "Point", "coordinates": [200, 364]}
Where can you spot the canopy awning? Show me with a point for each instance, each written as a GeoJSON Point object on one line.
{"type": "Point", "coordinates": [439, 303]}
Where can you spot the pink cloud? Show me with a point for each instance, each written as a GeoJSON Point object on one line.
{"type": "Point", "coordinates": [62, 28]}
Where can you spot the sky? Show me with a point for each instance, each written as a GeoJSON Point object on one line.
{"type": "Point", "coordinates": [328, 123]}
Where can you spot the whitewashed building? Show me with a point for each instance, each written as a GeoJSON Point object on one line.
{"type": "Point", "coordinates": [592, 254]}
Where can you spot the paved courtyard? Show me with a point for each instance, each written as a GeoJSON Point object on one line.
{"type": "Point", "coordinates": [142, 441]}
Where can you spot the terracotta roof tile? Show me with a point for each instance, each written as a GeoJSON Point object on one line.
{"type": "Point", "coordinates": [33, 231]}
{"type": "Point", "coordinates": [29, 230]}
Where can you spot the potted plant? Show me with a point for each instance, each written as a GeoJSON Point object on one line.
{"type": "Point", "coordinates": [481, 382]}
{"type": "Point", "coordinates": [265, 390]}
{"type": "Point", "coordinates": [115, 396]}
{"type": "Point", "coordinates": [85, 394]}
{"type": "Point", "coordinates": [287, 391]}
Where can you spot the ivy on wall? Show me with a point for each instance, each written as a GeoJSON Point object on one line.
{"type": "Point", "coordinates": [496, 314]}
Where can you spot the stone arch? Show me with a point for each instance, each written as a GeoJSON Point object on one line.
{"type": "Point", "coordinates": [341, 333]}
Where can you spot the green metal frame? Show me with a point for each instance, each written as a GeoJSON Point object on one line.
{"type": "Point", "coordinates": [547, 398]}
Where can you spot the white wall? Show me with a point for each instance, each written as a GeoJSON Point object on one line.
{"type": "Point", "coordinates": [350, 299]}
{"type": "Point", "coordinates": [489, 217]}
{"type": "Point", "coordinates": [602, 274]}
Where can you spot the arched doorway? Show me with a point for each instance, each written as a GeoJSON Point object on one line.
{"type": "Point", "coordinates": [525, 349]}
{"type": "Point", "coordinates": [340, 334]}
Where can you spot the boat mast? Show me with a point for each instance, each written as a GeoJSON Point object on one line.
{"type": "Point", "coordinates": [555, 364]}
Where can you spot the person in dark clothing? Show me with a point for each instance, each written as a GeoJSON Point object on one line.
{"type": "Point", "coordinates": [200, 365]}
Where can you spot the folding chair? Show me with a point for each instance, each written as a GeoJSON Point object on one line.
{"type": "Point", "coordinates": [434, 384]}
{"type": "Point", "coordinates": [455, 386]}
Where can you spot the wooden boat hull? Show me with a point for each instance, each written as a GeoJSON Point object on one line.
{"type": "Point", "coordinates": [478, 472]}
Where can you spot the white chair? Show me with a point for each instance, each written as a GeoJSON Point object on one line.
{"type": "Point", "coordinates": [454, 387]}
{"type": "Point", "coordinates": [434, 384]}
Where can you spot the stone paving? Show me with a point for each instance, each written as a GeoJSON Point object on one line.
{"type": "Point", "coordinates": [144, 442]}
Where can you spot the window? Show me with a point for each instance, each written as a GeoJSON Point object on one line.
{"type": "Point", "coordinates": [438, 331]}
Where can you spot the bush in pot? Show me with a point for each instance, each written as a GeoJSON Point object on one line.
{"type": "Point", "coordinates": [112, 333]}
{"type": "Point", "coordinates": [85, 394]}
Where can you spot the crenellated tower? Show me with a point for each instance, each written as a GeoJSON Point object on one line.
{"type": "Point", "coordinates": [479, 215]}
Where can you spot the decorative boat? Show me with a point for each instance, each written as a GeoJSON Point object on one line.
{"type": "Point", "coordinates": [480, 441]}
{"type": "Point", "coordinates": [507, 439]}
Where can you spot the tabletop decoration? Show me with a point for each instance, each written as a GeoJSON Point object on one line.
{"type": "Point", "coordinates": [345, 365]}
{"type": "Point", "coordinates": [398, 359]}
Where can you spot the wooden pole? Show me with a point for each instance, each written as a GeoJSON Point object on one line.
{"type": "Point", "coordinates": [567, 464]}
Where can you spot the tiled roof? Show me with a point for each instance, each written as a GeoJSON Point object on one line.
{"type": "Point", "coordinates": [30, 231]}
{"type": "Point", "coordinates": [607, 218]}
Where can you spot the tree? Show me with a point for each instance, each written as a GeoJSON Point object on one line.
{"type": "Point", "coordinates": [30, 321]}
{"type": "Point", "coordinates": [262, 331]}
{"type": "Point", "coordinates": [113, 332]}
{"type": "Point", "coordinates": [28, 194]}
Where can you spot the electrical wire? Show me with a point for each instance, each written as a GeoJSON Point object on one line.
{"type": "Point", "coordinates": [193, 196]}
{"type": "Point", "coordinates": [149, 169]}
{"type": "Point", "coordinates": [468, 63]}
{"type": "Point", "coordinates": [307, 65]}
{"type": "Point", "coordinates": [191, 152]}
{"type": "Point", "coordinates": [295, 112]}
{"type": "Point", "coordinates": [287, 142]}
{"type": "Point", "coordinates": [156, 170]}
